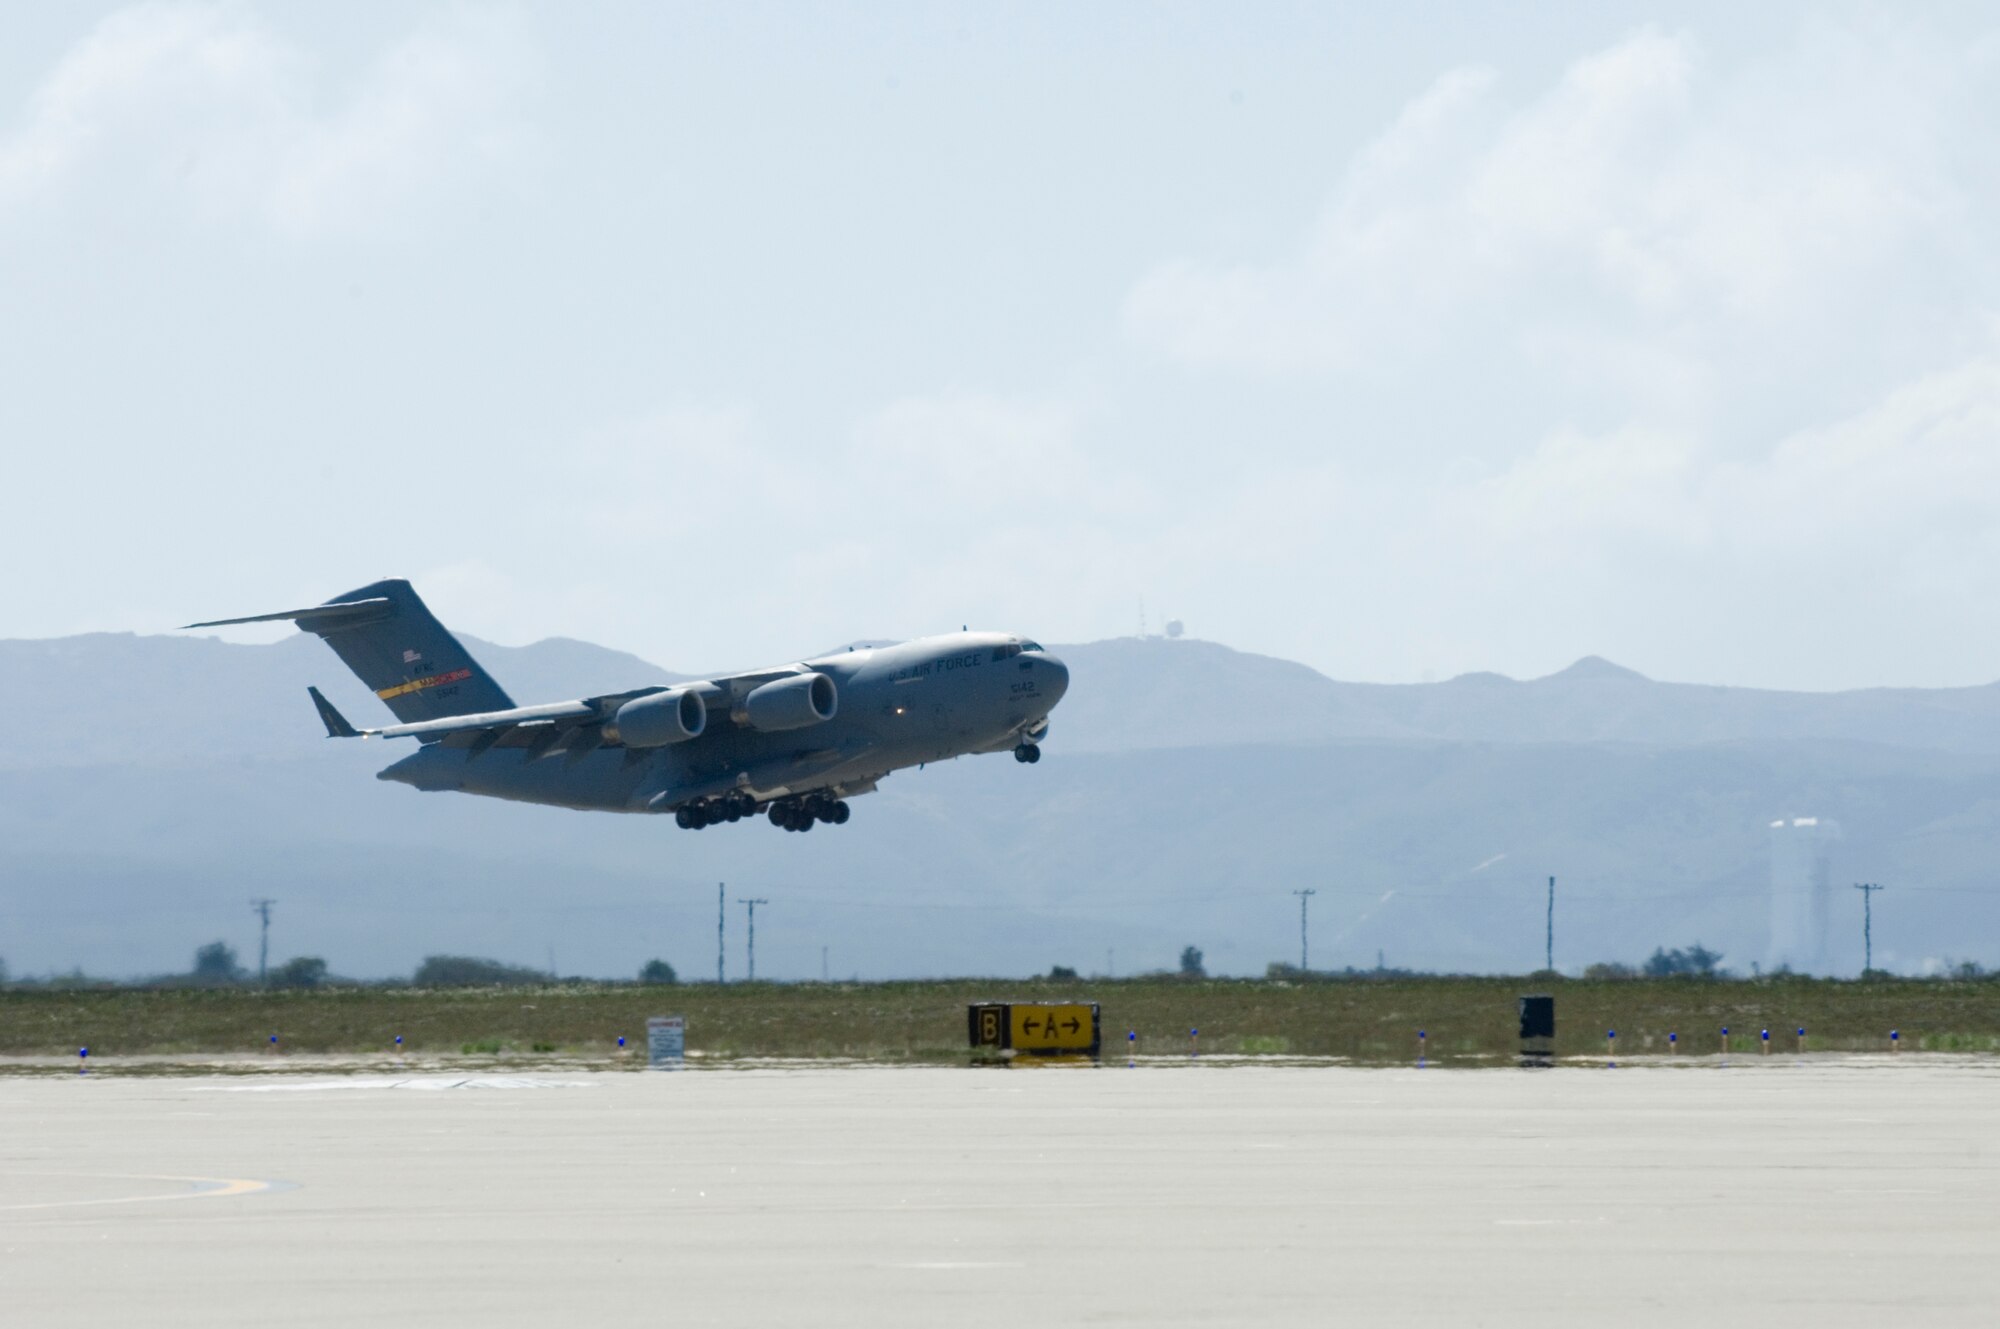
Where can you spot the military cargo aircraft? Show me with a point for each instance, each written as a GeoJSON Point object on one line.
{"type": "Point", "coordinates": [794, 741]}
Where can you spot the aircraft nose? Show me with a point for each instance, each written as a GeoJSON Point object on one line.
{"type": "Point", "coordinates": [1053, 675]}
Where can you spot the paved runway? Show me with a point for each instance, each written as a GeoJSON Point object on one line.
{"type": "Point", "coordinates": [1821, 1192]}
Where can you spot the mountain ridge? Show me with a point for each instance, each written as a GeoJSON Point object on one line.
{"type": "Point", "coordinates": [149, 786]}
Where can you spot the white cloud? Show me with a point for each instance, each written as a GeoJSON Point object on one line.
{"type": "Point", "coordinates": [1917, 469]}
{"type": "Point", "coordinates": [655, 474]}
{"type": "Point", "coordinates": [1649, 198]}
{"type": "Point", "coordinates": [438, 102]}
{"type": "Point", "coordinates": [932, 510]}
{"type": "Point", "coordinates": [952, 455]}
{"type": "Point", "coordinates": [1683, 356]}
{"type": "Point", "coordinates": [205, 106]}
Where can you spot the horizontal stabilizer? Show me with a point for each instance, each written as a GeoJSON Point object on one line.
{"type": "Point", "coordinates": [319, 618]}
{"type": "Point", "coordinates": [336, 723]}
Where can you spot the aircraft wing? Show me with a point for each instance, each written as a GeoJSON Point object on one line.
{"type": "Point", "coordinates": [549, 716]}
{"type": "Point", "coordinates": [723, 696]}
{"type": "Point", "coordinates": [514, 719]}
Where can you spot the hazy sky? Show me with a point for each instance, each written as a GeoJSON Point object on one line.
{"type": "Point", "coordinates": [1402, 341]}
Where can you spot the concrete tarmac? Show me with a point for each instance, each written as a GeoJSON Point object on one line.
{"type": "Point", "coordinates": [1798, 1191]}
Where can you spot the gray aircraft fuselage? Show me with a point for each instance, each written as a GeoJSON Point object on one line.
{"type": "Point", "coordinates": [898, 706]}
{"type": "Point", "coordinates": [793, 740]}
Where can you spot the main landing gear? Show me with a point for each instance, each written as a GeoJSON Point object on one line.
{"type": "Point", "coordinates": [709, 811]}
{"type": "Point", "coordinates": [1028, 752]}
{"type": "Point", "coordinates": [799, 814]}
{"type": "Point", "coordinates": [794, 814]}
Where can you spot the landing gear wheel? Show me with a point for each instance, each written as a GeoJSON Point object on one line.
{"type": "Point", "coordinates": [840, 814]}
{"type": "Point", "coordinates": [1028, 752]}
{"type": "Point", "coordinates": [684, 818]}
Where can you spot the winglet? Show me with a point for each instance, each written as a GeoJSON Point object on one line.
{"type": "Point", "coordinates": [336, 723]}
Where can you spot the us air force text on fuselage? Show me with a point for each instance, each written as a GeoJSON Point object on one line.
{"type": "Point", "coordinates": [793, 741]}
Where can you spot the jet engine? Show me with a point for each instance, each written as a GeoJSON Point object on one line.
{"type": "Point", "coordinates": [791, 703]}
{"type": "Point", "coordinates": [660, 718]}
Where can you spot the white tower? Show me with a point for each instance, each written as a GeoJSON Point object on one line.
{"type": "Point", "coordinates": [1801, 893]}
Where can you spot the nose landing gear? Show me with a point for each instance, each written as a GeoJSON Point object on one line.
{"type": "Point", "coordinates": [1028, 752]}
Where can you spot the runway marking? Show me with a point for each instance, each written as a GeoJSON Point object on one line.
{"type": "Point", "coordinates": [1885, 1191]}
{"type": "Point", "coordinates": [960, 1264]}
{"type": "Point", "coordinates": [427, 1083]}
{"type": "Point", "coordinates": [1548, 1222]}
{"type": "Point", "coordinates": [204, 1188]}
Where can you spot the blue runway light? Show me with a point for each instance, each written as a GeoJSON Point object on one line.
{"type": "Point", "coordinates": [621, 1040]}
{"type": "Point", "coordinates": [399, 1040]}
{"type": "Point", "coordinates": [83, 1052]}
{"type": "Point", "coordinates": [1673, 1038]}
{"type": "Point", "coordinates": [1611, 1033]}
{"type": "Point", "coordinates": [274, 1038]}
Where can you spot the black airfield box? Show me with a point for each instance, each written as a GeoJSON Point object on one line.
{"type": "Point", "coordinates": [1038, 1028]}
{"type": "Point", "coordinates": [1538, 1017]}
{"type": "Point", "coordinates": [1538, 1027]}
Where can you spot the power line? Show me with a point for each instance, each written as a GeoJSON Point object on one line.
{"type": "Point", "coordinates": [1304, 897]}
{"type": "Point", "coordinates": [262, 908]}
{"type": "Point", "coordinates": [753, 935]}
{"type": "Point", "coordinates": [1867, 890]}
{"type": "Point", "coordinates": [1549, 944]}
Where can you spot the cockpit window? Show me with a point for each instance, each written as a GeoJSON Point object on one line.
{"type": "Point", "coordinates": [1006, 652]}
{"type": "Point", "coordinates": [1031, 646]}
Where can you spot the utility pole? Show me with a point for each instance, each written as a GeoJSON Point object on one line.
{"type": "Point", "coordinates": [718, 933]}
{"type": "Point", "coordinates": [1549, 943]}
{"type": "Point", "coordinates": [1867, 890]}
{"type": "Point", "coordinates": [262, 908]}
{"type": "Point", "coordinates": [1304, 896]}
{"type": "Point", "coordinates": [753, 935]}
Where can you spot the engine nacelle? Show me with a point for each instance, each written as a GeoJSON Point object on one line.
{"type": "Point", "coordinates": [791, 703]}
{"type": "Point", "coordinates": [673, 716]}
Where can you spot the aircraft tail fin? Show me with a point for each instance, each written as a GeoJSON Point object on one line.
{"type": "Point", "coordinates": [385, 634]}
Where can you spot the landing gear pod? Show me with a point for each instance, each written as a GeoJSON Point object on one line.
{"type": "Point", "coordinates": [791, 703]}
{"type": "Point", "coordinates": [673, 716]}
